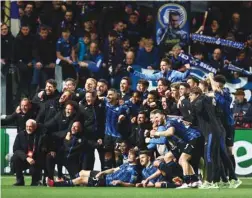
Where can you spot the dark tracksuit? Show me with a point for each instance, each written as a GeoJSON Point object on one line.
{"type": "Point", "coordinates": [44, 52]}
{"type": "Point", "coordinates": [70, 156]}
{"type": "Point", "coordinates": [225, 115]}
{"type": "Point", "coordinates": [24, 143]}
{"type": "Point", "coordinates": [212, 130]}
{"type": "Point", "coordinates": [58, 127]}
{"type": "Point", "coordinates": [48, 110]}
{"type": "Point", "coordinates": [136, 137]}
{"type": "Point", "coordinates": [22, 55]}
{"type": "Point", "coordinates": [185, 110]}
{"type": "Point", "coordinates": [93, 122]}
{"type": "Point", "coordinates": [19, 119]}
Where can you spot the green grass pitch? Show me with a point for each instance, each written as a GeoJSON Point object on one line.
{"type": "Point", "coordinates": [9, 191]}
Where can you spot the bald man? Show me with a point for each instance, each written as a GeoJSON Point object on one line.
{"type": "Point", "coordinates": [27, 153]}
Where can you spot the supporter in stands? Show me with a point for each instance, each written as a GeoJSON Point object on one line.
{"type": "Point", "coordinates": [7, 40]}
{"type": "Point", "coordinates": [134, 30]}
{"type": "Point", "coordinates": [30, 17]}
{"type": "Point", "coordinates": [22, 58]}
{"type": "Point", "coordinates": [66, 55]}
{"type": "Point", "coordinates": [242, 110]}
{"type": "Point", "coordinates": [44, 57]}
{"type": "Point", "coordinates": [148, 57]}
{"type": "Point", "coordinates": [142, 87]}
{"type": "Point", "coordinates": [166, 72]}
{"type": "Point", "coordinates": [192, 81]}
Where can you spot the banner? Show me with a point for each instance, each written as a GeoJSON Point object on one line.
{"type": "Point", "coordinates": [217, 41]}
{"type": "Point", "coordinates": [172, 25]}
{"type": "Point", "coordinates": [199, 69]}
{"type": "Point", "coordinates": [243, 152]}
{"type": "Point", "coordinates": [15, 22]}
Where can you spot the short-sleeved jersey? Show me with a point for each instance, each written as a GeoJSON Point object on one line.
{"type": "Point", "coordinates": [127, 173]}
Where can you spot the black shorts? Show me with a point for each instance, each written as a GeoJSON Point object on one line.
{"type": "Point", "coordinates": [94, 182]}
{"type": "Point", "coordinates": [194, 147]}
{"type": "Point", "coordinates": [230, 131]}
{"type": "Point", "coordinates": [177, 150]}
{"type": "Point", "coordinates": [110, 142]}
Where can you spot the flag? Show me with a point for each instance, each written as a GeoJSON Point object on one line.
{"type": "Point", "coordinates": [15, 22]}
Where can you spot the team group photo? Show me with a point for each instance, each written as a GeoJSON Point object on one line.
{"type": "Point", "coordinates": [126, 99]}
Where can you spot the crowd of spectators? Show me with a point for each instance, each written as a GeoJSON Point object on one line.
{"type": "Point", "coordinates": [94, 47]}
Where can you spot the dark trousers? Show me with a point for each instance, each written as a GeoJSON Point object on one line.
{"type": "Point", "coordinates": [72, 164]}
{"type": "Point", "coordinates": [88, 159]}
{"type": "Point", "coordinates": [212, 157]}
{"type": "Point", "coordinates": [20, 165]}
{"type": "Point", "coordinates": [25, 74]}
{"type": "Point", "coordinates": [225, 158]}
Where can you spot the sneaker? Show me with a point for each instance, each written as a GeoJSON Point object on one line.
{"type": "Point", "coordinates": [49, 182]}
{"type": "Point", "coordinates": [196, 184]}
{"type": "Point", "coordinates": [183, 186]}
{"type": "Point", "coordinates": [213, 186]}
{"type": "Point", "coordinates": [222, 184]}
{"type": "Point", "coordinates": [235, 183]}
{"type": "Point", "coordinates": [205, 185]}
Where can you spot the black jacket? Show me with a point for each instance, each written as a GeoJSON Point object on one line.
{"type": "Point", "coordinates": [48, 111]}
{"type": "Point", "coordinates": [75, 147]}
{"type": "Point", "coordinates": [60, 124]}
{"type": "Point", "coordinates": [93, 120]}
{"type": "Point", "coordinates": [7, 46]}
{"type": "Point", "coordinates": [23, 143]}
{"type": "Point", "coordinates": [206, 115]}
{"type": "Point", "coordinates": [44, 50]}
{"type": "Point", "coordinates": [186, 109]}
{"type": "Point", "coordinates": [22, 49]}
{"type": "Point", "coordinates": [19, 119]}
{"type": "Point", "coordinates": [136, 137]}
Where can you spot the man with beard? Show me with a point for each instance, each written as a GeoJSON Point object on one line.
{"type": "Point", "coordinates": [125, 90]}
{"type": "Point", "coordinates": [213, 131]}
{"type": "Point", "coordinates": [92, 116]}
{"type": "Point", "coordinates": [57, 129]}
{"type": "Point", "coordinates": [73, 147]}
{"type": "Point", "coordinates": [115, 125]}
{"type": "Point", "coordinates": [49, 94]}
{"type": "Point", "coordinates": [137, 135]}
{"type": "Point", "coordinates": [52, 107]}
{"type": "Point", "coordinates": [102, 88]}
{"type": "Point", "coordinates": [27, 153]}
{"type": "Point", "coordinates": [188, 147]}
{"type": "Point", "coordinates": [166, 72]}
{"type": "Point", "coordinates": [23, 113]}
{"type": "Point", "coordinates": [183, 104]}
